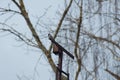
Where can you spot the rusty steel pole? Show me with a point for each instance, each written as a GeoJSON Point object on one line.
{"type": "Point", "coordinates": [58, 50]}
{"type": "Point", "coordinates": [59, 77]}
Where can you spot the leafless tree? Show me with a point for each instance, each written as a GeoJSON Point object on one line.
{"type": "Point", "coordinates": [88, 28]}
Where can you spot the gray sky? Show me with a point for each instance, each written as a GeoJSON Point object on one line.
{"type": "Point", "coordinates": [21, 60]}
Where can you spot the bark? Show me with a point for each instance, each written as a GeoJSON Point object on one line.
{"type": "Point", "coordinates": [77, 42]}
{"type": "Point", "coordinates": [113, 74]}
{"type": "Point", "coordinates": [24, 13]}
{"type": "Point", "coordinates": [61, 21]}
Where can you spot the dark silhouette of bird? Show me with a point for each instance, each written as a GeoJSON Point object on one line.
{"type": "Point", "coordinates": [50, 37]}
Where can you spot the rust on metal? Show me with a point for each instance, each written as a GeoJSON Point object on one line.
{"type": "Point", "coordinates": [58, 50]}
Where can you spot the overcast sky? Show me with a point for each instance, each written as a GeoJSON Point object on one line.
{"type": "Point", "coordinates": [21, 60]}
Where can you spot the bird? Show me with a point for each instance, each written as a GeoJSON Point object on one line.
{"type": "Point", "coordinates": [50, 37]}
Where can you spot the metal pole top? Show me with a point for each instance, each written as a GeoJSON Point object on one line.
{"type": "Point", "coordinates": [60, 47]}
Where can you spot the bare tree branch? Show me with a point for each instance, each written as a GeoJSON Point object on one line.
{"type": "Point", "coordinates": [24, 13]}
{"type": "Point", "coordinates": [8, 10]}
{"type": "Point", "coordinates": [102, 39]}
{"type": "Point", "coordinates": [19, 35]}
{"type": "Point", "coordinates": [77, 41]}
{"type": "Point", "coordinates": [16, 3]}
{"type": "Point", "coordinates": [61, 21]}
{"type": "Point", "coordinates": [113, 74]}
